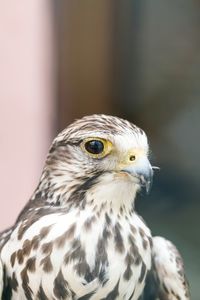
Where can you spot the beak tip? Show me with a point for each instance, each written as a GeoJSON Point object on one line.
{"type": "Point", "coordinates": [148, 186]}
{"type": "Point", "coordinates": [146, 181]}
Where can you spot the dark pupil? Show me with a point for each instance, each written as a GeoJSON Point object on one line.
{"type": "Point", "coordinates": [94, 147]}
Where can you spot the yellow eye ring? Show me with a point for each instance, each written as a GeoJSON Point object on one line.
{"type": "Point", "coordinates": [96, 147]}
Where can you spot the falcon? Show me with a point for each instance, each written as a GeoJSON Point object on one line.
{"type": "Point", "coordinates": [79, 236]}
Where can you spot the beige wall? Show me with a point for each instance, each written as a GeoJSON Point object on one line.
{"type": "Point", "coordinates": [26, 100]}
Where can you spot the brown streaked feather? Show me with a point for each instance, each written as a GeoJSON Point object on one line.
{"type": "Point", "coordinates": [166, 280]}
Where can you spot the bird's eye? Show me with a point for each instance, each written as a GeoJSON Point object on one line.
{"type": "Point", "coordinates": [96, 147]}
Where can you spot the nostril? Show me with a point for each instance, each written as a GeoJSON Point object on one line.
{"type": "Point", "coordinates": [132, 157]}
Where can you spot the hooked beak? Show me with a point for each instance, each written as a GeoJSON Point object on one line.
{"type": "Point", "coordinates": [146, 179]}
{"type": "Point", "coordinates": [143, 171]}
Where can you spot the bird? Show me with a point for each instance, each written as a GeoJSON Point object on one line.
{"type": "Point", "coordinates": [79, 236]}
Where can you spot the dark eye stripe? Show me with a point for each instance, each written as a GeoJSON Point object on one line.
{"type": "Point", "coordinates": [94, 146]}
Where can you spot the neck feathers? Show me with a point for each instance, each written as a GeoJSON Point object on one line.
{"type": "Point", "coordinates": [100, 191]}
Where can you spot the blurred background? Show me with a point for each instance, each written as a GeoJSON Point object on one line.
{"type": "Point", "coordinates": [60, 60]}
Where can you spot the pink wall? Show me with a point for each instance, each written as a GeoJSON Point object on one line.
{"type": "Point", "coordinates": [26, 100]}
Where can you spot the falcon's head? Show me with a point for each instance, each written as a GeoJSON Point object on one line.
{"type": "Point", "coordinates": [97, 157]}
